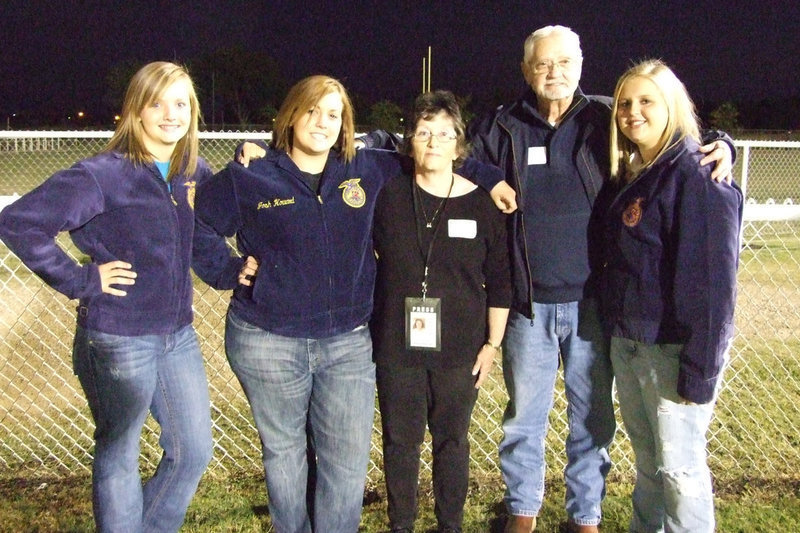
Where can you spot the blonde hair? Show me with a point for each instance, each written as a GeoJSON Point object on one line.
{"type": "Point", "coordinates": [304, 95]}
{"type": "Point", "coordinates": [146, 86]}
{"type": "Point", "coordinates": [682, 119]}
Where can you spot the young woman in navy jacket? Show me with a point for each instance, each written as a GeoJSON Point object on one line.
{"type": "Point", "coordinates": [670, 237]}
{"type": "Point", "coordinates": [296, 332]}
{"type": "Point", "coordinates": [130, 210]}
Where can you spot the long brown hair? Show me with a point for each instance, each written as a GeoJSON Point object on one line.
{"type": "Point", "coordinates": [304, 95]}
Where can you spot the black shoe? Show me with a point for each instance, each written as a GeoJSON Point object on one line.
{"type": "Point", "coordinates": [402, 530]}
{"type": "Point", "coordinates": [448, 529]}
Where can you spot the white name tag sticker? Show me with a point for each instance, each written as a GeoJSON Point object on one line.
{"type": "Point", "coordinates": [461, 228]}
{"type": "Point", "coordinates": [537, 155]}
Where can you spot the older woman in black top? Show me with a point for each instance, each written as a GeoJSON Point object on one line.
{"type": "Point", "coordinates": [441, 302]}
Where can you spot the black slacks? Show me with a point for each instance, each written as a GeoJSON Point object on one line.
{"type": "Point", "coordinates": [409, 398]}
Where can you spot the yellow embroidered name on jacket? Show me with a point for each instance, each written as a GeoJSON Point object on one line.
{"type": "Point", "coordinates": [275, 202]}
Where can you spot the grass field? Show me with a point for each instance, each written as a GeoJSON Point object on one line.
{"type": "Point", "coordinates": [773, 172]}
{"type": "Point", "coordinates": [21, 171]}
{"type": "Point", "coordinates": [239, 504]}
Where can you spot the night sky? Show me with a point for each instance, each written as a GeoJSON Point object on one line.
{"type": "Point", "coordinates": [55, 56]}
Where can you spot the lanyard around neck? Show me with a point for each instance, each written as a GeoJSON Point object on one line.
{"type": "Point", "coordinates": [433, 224]}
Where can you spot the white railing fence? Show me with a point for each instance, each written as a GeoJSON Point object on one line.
{"type": "Point", "coordinates": [46, 430]}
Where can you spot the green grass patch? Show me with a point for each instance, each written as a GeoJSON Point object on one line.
{"type": "Point", "coordinates": [239, 504]}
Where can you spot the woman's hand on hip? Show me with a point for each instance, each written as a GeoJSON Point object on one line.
{"type": "Point", "coordinates": [248, 271]}
{"type": "Point", "coordinates": [116, 273]}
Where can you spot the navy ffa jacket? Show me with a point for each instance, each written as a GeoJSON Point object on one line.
{"type": "Point", "coordinates": [114, 210]}
{"type": "Point", "coordinates": [670, 242]}
{"type": "Point", "coordinates": [316, 265]}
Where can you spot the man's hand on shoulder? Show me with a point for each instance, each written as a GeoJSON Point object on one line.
{"type": "Point", "coordinates": [250, 151]}
{"type": "Point", "coordinates": [719, 152]}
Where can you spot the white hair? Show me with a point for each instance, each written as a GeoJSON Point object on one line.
{"type": "Point", "coordinates": [547, 31]}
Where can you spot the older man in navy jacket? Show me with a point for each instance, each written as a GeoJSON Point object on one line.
{"type": "Point", "coordinates": [552, 144]}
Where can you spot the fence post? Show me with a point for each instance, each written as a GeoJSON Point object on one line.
{"type": "Point", "coordinates": [745, 170]}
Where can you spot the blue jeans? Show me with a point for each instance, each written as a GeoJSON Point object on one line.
{"type": "Point", "coordinates": [530, 366]}
{"type": "Point", "coordinates": [124, 379]}
{"type": "Point", "coordinates": [673, 482]}
{"type": "Point", "coordinates": [317, 393]}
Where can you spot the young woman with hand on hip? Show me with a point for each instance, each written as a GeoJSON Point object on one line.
{"type": "Point", "coordinates": [130, 210]}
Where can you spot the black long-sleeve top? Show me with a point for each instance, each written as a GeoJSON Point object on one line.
{"type": "Point", "coordinates": [468, 274]}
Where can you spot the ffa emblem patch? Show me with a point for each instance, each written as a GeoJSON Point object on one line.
{"type": "Point", "coordinates": [633, 213]}
{"type": "Point", "coordinates": [190, 188]}
{"type": "Point", "coordinates": [353, 195]}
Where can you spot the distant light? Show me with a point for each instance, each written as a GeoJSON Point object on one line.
{"type": "Point", "coordinates": [80, 114]}
{"type": "Point", "coordinates": [116, 118]}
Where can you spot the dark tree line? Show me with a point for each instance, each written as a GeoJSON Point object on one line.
{"type": "Point", "coordinates": [776, 114]}
{"type": "Point", "coordinates": [240, 88]}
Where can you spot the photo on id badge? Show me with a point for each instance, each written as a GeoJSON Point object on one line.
{"type": "Point", "coordinates": [423, 324]}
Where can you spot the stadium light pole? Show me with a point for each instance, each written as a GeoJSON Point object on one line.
{"type": "Point", "coordinates": [426, 72]}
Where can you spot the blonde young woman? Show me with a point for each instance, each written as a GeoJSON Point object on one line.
{"type": "Point", "coordinates": [670, 235]}
{"type": "Point", "coordinates": [296, 334]}
{"type": "Point", "coordinates": [130, 210]}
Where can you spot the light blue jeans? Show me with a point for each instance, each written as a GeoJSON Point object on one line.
{"type": "Point", "coordinates": [309, 394]}
{"type": "Point", "coordinates": [124, 379]}
{"type": "Point", "coordinates": [673, 482]}
{"type": "Point", "coordinates": [530, 365]}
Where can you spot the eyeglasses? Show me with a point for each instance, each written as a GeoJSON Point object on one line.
{"type": "Point", "coordinates": [546, 65]}
{"type": "Point", "coordinates": [424, 136]}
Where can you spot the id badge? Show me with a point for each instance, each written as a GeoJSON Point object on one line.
{"type": "Point", "coordinates": [424, 324]}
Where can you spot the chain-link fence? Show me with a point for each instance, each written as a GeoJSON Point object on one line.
{"type": "Point", "coordinates": [46, 429]}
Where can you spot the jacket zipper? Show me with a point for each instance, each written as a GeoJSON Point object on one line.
{"type": "Point", "coordinates": [592, 192]}
{"type": "Point", "coordinates": [522, 223]}
{"type": "Point", "coordinates": [327, 254]}
{"type": "Point", "coordinates": [176, 247]}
